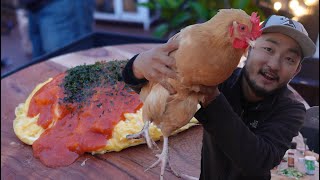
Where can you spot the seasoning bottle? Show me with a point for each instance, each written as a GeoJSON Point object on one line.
{"type": "Point", "coordinates": [291, 154]}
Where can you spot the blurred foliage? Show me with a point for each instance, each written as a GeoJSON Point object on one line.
{"type": "Point", "coordinates": [177, 14]}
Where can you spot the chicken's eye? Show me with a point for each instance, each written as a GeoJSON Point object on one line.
{"type": "Point", "coordinates": [242, 28]}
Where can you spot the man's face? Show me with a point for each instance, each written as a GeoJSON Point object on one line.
{"type": "Point", "coordinates": [273, 61]}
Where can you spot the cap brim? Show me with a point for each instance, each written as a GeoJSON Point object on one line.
{"type": "Point", "coordinates": [307, 46]}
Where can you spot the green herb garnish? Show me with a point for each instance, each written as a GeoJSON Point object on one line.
{"type": "Point", "coordinates": [80, 82]}
{"type": "Point", "coordinates": [292, 172]}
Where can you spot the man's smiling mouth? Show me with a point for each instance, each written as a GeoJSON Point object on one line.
{"type": "Point", "coordinates": [269, 75]}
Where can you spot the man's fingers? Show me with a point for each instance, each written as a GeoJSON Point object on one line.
{"type": "Point", "coordinates": [168, 61]}
{"type": "Point", "coordinates": [167, 72]}
{"type": "Point", "coordinates": [174, 37]}
{"type": "Point", "coordinates": [168, 86]}
{"type": "Point", "coordinates": [171, 45]}
{"type": "Point", "coordinates": [207, 89]}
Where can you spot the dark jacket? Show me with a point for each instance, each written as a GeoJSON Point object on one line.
{"type": "Point", "coordinates": [242, 140]}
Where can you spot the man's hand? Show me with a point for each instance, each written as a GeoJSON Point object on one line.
{"type": "Point", "coordinates": [156, 64]}
{"type": "Point", "coordinates": [210, 93]}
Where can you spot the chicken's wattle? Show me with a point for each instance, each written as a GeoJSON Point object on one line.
{"type": "Point", "coordinates": [239, 44]}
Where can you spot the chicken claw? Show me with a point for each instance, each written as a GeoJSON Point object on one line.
{"type": "Point", "coordinates": [164, 159]}
{"type": "Point", "coordinates": [144, 133]}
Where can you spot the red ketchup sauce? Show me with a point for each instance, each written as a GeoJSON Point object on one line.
{"type": "Point", "coordinates": [77, 130]}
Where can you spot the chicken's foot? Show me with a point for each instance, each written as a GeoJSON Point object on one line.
{"type": "Point", "coordinates": [144, 133]}
{"type": "Point", "coordinates": [163, 158]}
{"type": "Point", "coordinates": [165, 163]}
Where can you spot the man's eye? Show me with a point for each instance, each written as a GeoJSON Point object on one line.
{"type": "Point", "coordinates": [290, 60]}
{"type": "Point", "coordinates": [267, 49]}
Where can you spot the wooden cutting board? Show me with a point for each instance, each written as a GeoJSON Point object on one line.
{"type": "Point", "coordinates": [17, 161]}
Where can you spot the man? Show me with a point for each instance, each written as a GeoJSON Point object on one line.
{"type": "Point", "coordinates": [250, 119]}
{"type": "Point", "coordinates": [56, 23]}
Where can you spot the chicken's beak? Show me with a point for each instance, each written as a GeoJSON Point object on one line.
{"type": "Point", "coordinates": [251, 41]}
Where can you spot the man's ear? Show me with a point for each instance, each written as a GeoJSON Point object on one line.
{"type": "Point", "coordinates": [298, 70]}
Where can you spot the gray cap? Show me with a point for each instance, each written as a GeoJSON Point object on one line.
{"type": "Point", "coordinates": [291, 28]}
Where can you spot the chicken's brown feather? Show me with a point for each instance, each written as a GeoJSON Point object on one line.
{"type": "Point", "coordinates": [205, 57]}
{"type": "Point", "coordinates": [169, 112]}
{"type": "Point", "coordinates": [205, 48]}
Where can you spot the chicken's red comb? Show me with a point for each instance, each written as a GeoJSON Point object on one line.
{"type": "Point", "coordinates": [256, 28]}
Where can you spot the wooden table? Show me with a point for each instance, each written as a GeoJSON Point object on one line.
{"type": "Point", "coordinates": [17, 161]}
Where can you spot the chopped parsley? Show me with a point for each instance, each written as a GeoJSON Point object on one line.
{"type": "Point", "coordinates": [80, 82]}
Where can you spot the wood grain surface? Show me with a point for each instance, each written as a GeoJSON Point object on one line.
{"type": "Point", "coordinates": [18, 162]}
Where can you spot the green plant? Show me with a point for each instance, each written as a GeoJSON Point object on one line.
{"type": "Point", "coordinates": [175, 15]}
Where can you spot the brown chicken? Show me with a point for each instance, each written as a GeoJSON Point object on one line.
{"type": "Point", "coordinates": [207, 55]}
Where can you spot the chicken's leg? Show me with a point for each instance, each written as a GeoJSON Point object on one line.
{"type": "Point", "coordinates": [164, 159]}
{"type": "Point", "coordinates": [143, 133]}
